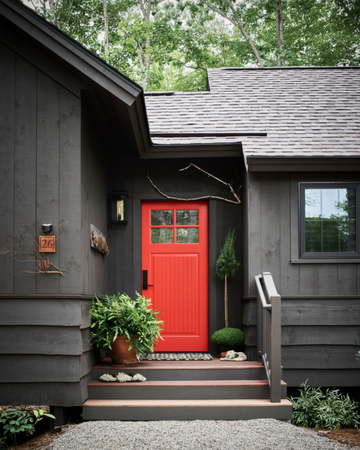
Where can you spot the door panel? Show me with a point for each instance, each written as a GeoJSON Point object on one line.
{"type": "Point", "coordinates": [175, 254]}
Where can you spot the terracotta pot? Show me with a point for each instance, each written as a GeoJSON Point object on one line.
{"type": "Point", "coordinates": [120, 353]}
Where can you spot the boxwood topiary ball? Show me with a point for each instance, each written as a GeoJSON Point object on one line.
{"type": "Point", "coordinates": [228, 336]}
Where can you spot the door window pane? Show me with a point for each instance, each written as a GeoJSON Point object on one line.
{"type": "Point", "coordinates": [330, 220]}
{"type": "Point", "coordinates": [162, 217]}
{"type": "Point", "coordinates": [187, 217]}
{"type": "Point", "coordinates": [161, 235]}
{"type": "Point", "coordinates": [187, 235]}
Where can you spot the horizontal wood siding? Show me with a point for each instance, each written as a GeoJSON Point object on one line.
{"type": "Point", "coordinates": [319, 336]}
{"type": "Point", "coordinates": [45, 393]}
{"type": "Point", "coordinates": [44, 344]}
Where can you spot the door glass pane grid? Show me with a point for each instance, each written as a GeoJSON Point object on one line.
{"type": "Point", "coordinates": [162, 217]}
{"type": "Point", "coordinates": [186, 227]}
{"type": "Point", "coordinates": [187, 217]}
{"type": "Point", "coordinates": [187, 235]}
{"type": "Point", "coordinates": [162, 235]}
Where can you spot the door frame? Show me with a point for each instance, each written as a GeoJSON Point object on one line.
{"type": "Point", "coordinates": [135, 222]}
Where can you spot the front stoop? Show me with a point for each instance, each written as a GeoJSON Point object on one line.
{"type": "Point", "coordinates": [186, 390]}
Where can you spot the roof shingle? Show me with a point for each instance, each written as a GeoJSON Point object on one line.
{"type": "Point", "coordinates": [307, 112]}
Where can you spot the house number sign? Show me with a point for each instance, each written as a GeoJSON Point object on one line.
{"type": "Point", "coordinates": [46, 244]}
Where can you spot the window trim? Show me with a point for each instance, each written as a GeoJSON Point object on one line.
{"type": "Point", "coordinates": [326, 256]}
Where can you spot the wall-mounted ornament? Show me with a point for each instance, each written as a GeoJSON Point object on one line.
{"type": "Point", "coordinates": [98, 240]}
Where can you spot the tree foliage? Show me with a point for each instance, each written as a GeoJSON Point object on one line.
{"type": "Point", "coordinates": [168, 45]}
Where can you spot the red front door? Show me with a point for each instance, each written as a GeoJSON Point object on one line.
{"type": "Point", "coordinates": [175, 266]}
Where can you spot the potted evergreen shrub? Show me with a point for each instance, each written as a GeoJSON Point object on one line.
{"type": "Point", "coordinates": [227, 266]}
{"type": "Point", "coordinates": [127, 327]}
{"type": "Point", "coordinates": [228, 338]}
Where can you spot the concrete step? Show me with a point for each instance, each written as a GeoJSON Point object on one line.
{"type": "Point", "coordinates": [182, 390]}
{"type": "Point", "coordinates": [230, 409]}
{"type": "Point", "coordinates": [188, 370]}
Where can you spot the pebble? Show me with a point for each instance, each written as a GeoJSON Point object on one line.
{"type": "Point", "coordinates": [259, 434]}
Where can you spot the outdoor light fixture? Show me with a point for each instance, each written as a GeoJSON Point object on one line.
{"type": "Point", "coordinates": [118, 207]}
{"type": "Point", "coordinates": [47, 227]}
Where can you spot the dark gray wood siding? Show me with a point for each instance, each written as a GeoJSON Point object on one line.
{"type": "Point", "coordinates": [94, 204]}
{"type": "Point", "coordinates": [45, 354]}
{"type": "Point", "coordinates": [45, 159]}
{"type": "Point", "coordinates": [320, 301]}
{"type": "Point", "coordinates": [40, 152]}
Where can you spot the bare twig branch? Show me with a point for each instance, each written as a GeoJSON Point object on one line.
{"type": "Point", "coordinates": [236, 202]}
{"type": "Point", "coordinates": [26, 250]}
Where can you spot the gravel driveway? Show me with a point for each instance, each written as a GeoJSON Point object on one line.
{"type": "Point", "coordinates": [193, 435]}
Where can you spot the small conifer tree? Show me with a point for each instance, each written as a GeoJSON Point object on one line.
{"type": "Point", "coordinates": [227, 266]}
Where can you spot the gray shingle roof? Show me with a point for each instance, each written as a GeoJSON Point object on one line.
{"type": "Point", "coordinates": [307, 112]}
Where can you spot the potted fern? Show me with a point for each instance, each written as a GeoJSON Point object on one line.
{"type": "Point", "coordinates": [127, 327]}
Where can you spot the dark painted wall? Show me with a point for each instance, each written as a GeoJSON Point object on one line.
{"type": "Point", "coordinates": [320, 301]}
{"type": "Point", "coordinates": [125, 240]}
{"type": "Point", "coordinates": [94, 182]}
{"type": "Point", "coordinates": [49, 172]}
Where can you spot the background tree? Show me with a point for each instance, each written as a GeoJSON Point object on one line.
{"type": "Point", "coordinates": [227, 266]}
{"type": "Point", "coordinates": [168, 45]}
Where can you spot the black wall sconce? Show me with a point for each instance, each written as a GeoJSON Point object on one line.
{"type": "Point", "coordinates": [47, 227]}
{"type": "Point", "coordinates": [118, 207]}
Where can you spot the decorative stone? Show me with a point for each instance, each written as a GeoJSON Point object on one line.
{"type": "Point", "coordinates": [231, 355]}
{"type": "Point", "coordinates": [123, 377]}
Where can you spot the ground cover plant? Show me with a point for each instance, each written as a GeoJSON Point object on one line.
{"type": "Point", "coordinates": [331, 410]}
{"type": "Point", "coordinates": [14, 422]}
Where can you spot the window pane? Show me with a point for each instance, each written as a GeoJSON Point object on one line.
{"type": "Point", "coordinates": [161, 235]}
{"type": "Point", "coordinates": [187, 217]}
{"type": "Point", "coordinates": [330, 220]}
{"type": "Point", "coordinates": [162, 217]}
{"type": "Point", "coordinates": [187, 235]}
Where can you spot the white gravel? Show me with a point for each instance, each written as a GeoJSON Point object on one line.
{"type": "Point", "coordinates": [192, 435]}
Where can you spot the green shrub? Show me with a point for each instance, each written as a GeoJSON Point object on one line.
{"type": "Point", "coordinates": [14, 422]}
{"type": "Point", "coordinates": [228, 336]}
{"type": "Point", "coordinates": [331, 410]}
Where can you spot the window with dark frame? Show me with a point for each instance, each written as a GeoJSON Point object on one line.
{"type": "Point", "coordinates": [329, 220]}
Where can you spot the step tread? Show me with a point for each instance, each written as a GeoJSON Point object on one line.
{"type": "Point", "coordinates": [175, 365]}
{"type": "Point", "coordinates": [182, 383]}
{"type": "Point", "coordinates": [185, 403]}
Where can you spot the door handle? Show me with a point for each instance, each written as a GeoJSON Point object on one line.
{"type": "Point", "coordinates": [145, 280]}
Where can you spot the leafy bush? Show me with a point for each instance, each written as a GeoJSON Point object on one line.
{"type": "Point", "coordinates": [331, 410]}
{"type": "Point", "coordinates": [116, 315]}
{"type": "Point", "coordinates": [228, 336]}
{"type": "Point", "coordinates": [14, 422]}
{"type": "Point", "coordinates": [357, 356]}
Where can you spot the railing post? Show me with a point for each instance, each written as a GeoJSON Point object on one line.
{"type": "Point", "coordinates": [273, 345]}
{"type": "Point", "coordinates": [259, 326]}
{"type": "Point", "coordinates": [275, 394]}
